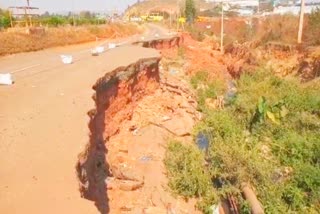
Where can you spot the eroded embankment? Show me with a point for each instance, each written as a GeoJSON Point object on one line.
{"type": "Point", "coordinates": [160, 43]}
{"type": "Point", "coordinates": [116, 96]}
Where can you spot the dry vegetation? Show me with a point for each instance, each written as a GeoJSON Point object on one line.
{"type": "Point", "coordinates": [277, 28]}
{"type": "Point", "coordinates": [15, 42]}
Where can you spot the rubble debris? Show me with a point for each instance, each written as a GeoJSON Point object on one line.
{"type": "Point", "coordinates": [155, 210]}
{"type": "Point", "coordinates": [128, 185]}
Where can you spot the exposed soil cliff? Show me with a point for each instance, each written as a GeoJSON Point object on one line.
{"type": "Point", "coordinates": [161, 43]}
{"type": "Point", "coordinates": [116, 96]}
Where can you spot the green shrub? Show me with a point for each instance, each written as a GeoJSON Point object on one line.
{"type": "Point", "coordinates": [314, 27]}
{"type": "Point", "coordinates": [55, 21]}
{"type": "Point", "coordinates": [185, 170]}
{"type": "Point", "coordinates": [279, 154]}
{"type": "Point", "coordinates": [4, 19]}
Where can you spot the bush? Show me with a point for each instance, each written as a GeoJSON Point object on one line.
{"type": "Point", "coordinates": [55, 21]}
{"type": "Point", "coordinates": [185, 170]}
{"type": "Point", "coordinates": [279, 154]}
{"type": "Point", "coordinates": [314, 27]}
{"type": "Point", "coordinates": [4, 19]}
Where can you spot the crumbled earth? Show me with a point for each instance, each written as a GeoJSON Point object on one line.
{"type": "Point", "coordinates": [281, 59]}
{"type": "Point", "coordinates": [138, 181]}
{"type": "Point", "coordinates": [196, 56]}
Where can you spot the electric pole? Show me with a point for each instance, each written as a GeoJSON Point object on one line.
{"type": "Point", "coordinates": [301, 22]}
{"type": "Point", "coordinates": [29, 16]}
{"type": "Point", "coordinates": [73, 19]}
{"type": "Point", "coordinates": [222, 30]}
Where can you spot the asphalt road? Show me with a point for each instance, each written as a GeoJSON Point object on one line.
{"type": "Point", "coordinates": [43, 124]}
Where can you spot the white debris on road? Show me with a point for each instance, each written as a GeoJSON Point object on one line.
{"type": "Point", "coordinates": [6, 79]}
{"type": "Point", "coordinates": [66, 59]}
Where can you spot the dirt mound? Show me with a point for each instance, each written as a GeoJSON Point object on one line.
{"type": "Point", "coordinates": [202, 56]}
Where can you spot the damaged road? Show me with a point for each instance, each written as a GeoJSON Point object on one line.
{"type": "Point", "coordinates": [136, 113]}
{"type": "Point", "coordinates": [44, 127]}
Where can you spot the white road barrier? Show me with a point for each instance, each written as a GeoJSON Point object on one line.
{"type": "Point", "coordinates": [100, 49]}
{"type": "Point", "coordinates": [6, 79]}
{"type": "Point", "coordinates": [112, 45]}
{"type": "Point", "coordinates": [66, 59]}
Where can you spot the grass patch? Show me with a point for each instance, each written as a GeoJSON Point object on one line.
{"type": "Point", "coordinates": [269, 136]}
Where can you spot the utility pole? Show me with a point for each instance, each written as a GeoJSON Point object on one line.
{"type": "Point", "coordinates": [222, 30]}
{"type": "Point", "coordinates": [301, 22]}
{"type": "Point", "coordinates": [10, 15]}
{"type": "Point", "coordinates": [29, 16]}
{"type": "Point", "coordinates": [73, 19]}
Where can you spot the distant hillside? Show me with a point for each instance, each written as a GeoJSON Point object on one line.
{"type": "Point", "coordinates": [168, 6]}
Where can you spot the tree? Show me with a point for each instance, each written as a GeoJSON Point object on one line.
{"type": "Point", "coordinates": [86, 14]}
{"type": "Point", "coordinates": [56, 21]}
{"type": "Point", "coordinates": [314, 26]}
{"type": "Point", "coordinates": [46, 14]}
{"type": "Point", "coordinates": [190, 10]}
{"type": "Point", "coordinates": [4, 19]}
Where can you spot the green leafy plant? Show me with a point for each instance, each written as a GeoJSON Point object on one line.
{"type": "Point", "coordinates": [4, 19]}
{"type": "Point", "coordinates": [185, 170]}
{"type": "Point", "coordinates": [269, 136]}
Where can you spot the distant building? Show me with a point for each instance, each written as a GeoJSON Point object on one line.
{"type": "Point", "coordinates": [241, 3]}
{"type": "Point", "coordinates": [295, 10]}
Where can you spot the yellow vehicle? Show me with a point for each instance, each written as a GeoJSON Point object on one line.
{"type": "Point", "coordinates": [182, 20]}
{"type": "Point", "coordinates": [144, 17]}
{"type": "Point", "coordinates": [203, 19]}
{"type": "Point", "coordinates": [154, 17]}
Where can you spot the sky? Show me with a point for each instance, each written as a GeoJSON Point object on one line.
{"type": "Point", "coordinates": [71, 5]}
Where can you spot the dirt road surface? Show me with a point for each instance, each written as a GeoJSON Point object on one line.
{"type": "Point", "coordinates": [43, 125]}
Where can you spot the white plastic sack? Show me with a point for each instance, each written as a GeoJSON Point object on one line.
{"type": "Point", "coordinates": [112, 45]}
{"type": "Point", "coordinates": [6, 79]}
{"type": "Point", "coordinates": [100, 49]}
{"type": "Point", "coordinates": [66, 59]}
{"type": "Point", "coordinates": [94, 52]}
{"type": "Point", "coordinates": [215, 209]}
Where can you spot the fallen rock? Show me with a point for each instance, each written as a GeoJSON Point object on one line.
{"type": "Point", "coordinates": [131, 185]}
{"type": "Point", "coordinates": [127, 208]}
{"type": "Point", "coordinates": [125, 172]}
{"type": "Point", "coordinates": [154, 210]}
